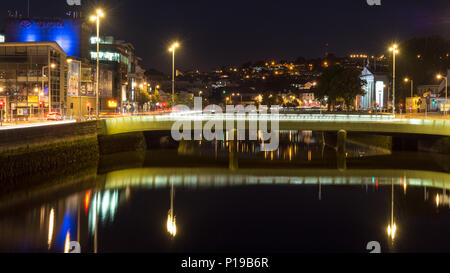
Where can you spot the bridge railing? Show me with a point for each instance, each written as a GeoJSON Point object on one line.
{"type": "Point", "coordinates": [281, 117]}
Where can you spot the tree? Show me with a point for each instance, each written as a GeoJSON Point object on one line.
{"type": "Point", "coordinates": [324, 88]}
{"type": "Point", "coordinates": [156, 97]}
{"type": "Point", "coordinates": [143, 97]}
{"type": "Point", "coordinates": [349, 85]}
{"type": "Point", "coordinates": [175, 98]}
{"type": "Point", "coordinates": [338, 82]}
{"type": "Point", "coordinates": [270, 100]}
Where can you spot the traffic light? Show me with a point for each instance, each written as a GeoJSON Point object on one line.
{"type": "Point", "coordinates": [2, 104]}
{"type": "Point", "coordinates": [41, 104]}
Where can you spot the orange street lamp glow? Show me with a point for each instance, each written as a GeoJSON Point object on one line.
{"type": "Point", "coordinates": [174, 46]}
{"type": "Point", "coordinates": [440, 77]}
{"type": "Point", "coordinates": [172, 49]}
{"type": "Point", "coordinates": [96, 18]}
{"type": "Point", "coordinates": [395, 51]}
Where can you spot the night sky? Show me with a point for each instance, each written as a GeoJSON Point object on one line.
{"type": "Point", "coordinates": [215, 33]}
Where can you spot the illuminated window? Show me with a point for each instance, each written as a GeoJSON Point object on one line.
{"type": "Point", "coordinates": [2, 38]}
{"type": "Point", "coordinates": [109, 56]}
{"type": "Point", "coordinates": [103, 40]}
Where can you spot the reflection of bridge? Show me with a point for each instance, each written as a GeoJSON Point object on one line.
{"type": "Point", "coordinates": [350, 123]}
{"type": "Point", "coordinates": [211, 177]}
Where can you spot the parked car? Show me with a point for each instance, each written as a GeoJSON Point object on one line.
{"type": "Point", "coordinates": [54, 116]}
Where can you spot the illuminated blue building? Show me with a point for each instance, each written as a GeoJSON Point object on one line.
{"type": "Point", "coordinates": [72, 35]}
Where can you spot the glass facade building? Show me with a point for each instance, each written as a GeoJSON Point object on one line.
{"type": "Point", "coordinates": [28, 73]}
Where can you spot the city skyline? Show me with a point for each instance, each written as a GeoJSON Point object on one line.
{"type": "Point", "coordinates": [235, 33]}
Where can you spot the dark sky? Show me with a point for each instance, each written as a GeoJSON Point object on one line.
{"type": "Point", "coordinates": [214, 33]}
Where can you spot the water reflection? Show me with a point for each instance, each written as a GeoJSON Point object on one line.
{"type": "Point", "coordinates": [392, 227]}
{"type": "Point", "coordinates": [86, 216]}
{"type": "Point", "coordinates": [51, 227]}
{"type": "Point", "coordinates": [241, 193]}
{"type": "Point", "coordinates": [294, 146]}
{"type": "Point", "coordinates": [443, 199]}
{"type": "Point", "coordinates": [171, 219]}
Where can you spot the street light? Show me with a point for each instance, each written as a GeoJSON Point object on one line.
{"type": "Point", "coordinates": [36, 90]}
{"type": "Point", "coordinates": [51, 66]}
{"type": "Point", "coordinates": [412, 86]}
{"type": "Point", "coordinates": [96, 18]}
{"type": "Point", "coordinates": [172, 49]}
{"type": "Point", "coordinates": [439, 77]}
{"type": "Point", "coordinates": [239, 95]}
{"type": "Point", "coordinates": [395, 51]}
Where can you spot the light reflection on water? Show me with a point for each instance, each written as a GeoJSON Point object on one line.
{"type": "Point", "coordinates": [94, 217]}
{"type": "Point", "coordinates": [257, 207]}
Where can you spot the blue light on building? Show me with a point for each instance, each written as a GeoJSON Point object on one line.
{"type": "Point", "coordinates": [66, 32]}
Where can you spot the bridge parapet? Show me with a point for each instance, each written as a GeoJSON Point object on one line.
{"type": "Point", "coordinates": [351, 123]}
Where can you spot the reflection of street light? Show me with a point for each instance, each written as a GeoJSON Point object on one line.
{"type": "Point", "coordinates": [395, 51]}
{"type": "Point", "coordinates": [171, 219]}
{"type": "Point", "coordinates": [439, 77]}
{"type": "Point", "coordinates": [392, 227]}
{"type": "Point", "coordinates": [51, 221]}
{"type": "Point", "coordinates": [172, 49]}
{"type": "Point", "coordinates": [96, 18]}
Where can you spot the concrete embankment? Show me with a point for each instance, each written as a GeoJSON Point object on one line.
{"type": "Point", "coordinates": [46, 150]}
{"type": "Point", "coordinates": [57, 150]}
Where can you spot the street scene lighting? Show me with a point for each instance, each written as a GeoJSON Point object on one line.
{"type": "Point", "coordinates": [412, 85]}
{"type": "Point", "coordinates": [172, 49]}
{"type": "Point", "coordinates": [342, 144]}
{"type": "Point", "coordinates": [395, 51]}
{"type": "Point", "coordinates": [446, 103]}
{"type": "Point", "coordinates": [97, 18]}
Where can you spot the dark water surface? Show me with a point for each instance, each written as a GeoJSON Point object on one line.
{"type": "Point", "coordinates": [298, 199]}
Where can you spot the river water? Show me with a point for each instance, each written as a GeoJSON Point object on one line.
{"type": "Point", "coordinates": [299, 199]}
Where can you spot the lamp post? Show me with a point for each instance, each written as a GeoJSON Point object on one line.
{"type": "Point", "coordinates": [239, 95]}
{"type": "Point", "coordinates": [96, 18]}
{"type": "Point", "coordinates": [36, 91]}
{"type": "Point", "coordinates": [439, 77]}
{"type": "Point", "coordinates": [51, 66]}
{"type": "Point", "coordinates": [172, 49]}
{"type": "Point", "coordinates": [395, 51]}
{"type": "Point", "coordinates": [412, 85]}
